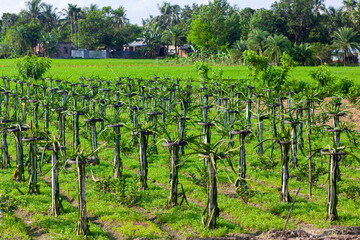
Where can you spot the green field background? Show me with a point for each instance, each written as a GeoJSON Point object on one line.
{"type": "Point", "coordinates": [72, 69]}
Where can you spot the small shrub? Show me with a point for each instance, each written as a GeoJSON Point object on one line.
{"type": "Point", "coordinates": [302, 172]}
{"type": "Point", "coordinates": [7, 203]}
{"type": "Point", "coordinates": [202, 178]}
{"type": "Point", "coordinates": [126, 191]}
{"type": "Point", "coordinates": [322, 75]}
{"type": "Point", "coordinates": [344, 85]}
{"type": "Point", "coordinates": [352, 192]}
{"type": "Point", "coordinates": [244, 192]}
{"type": "Point", "coordinates": [264, 163]}
{"type": "Point", "coordinates": [353, 94]}
{"type": "Point", "coordinates": [33, 67]}
{"type": "Point", "coordinates": [202, 69]}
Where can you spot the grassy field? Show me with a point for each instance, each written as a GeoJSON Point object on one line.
{"type": "Point", "coordinates": [72, 69]}
{"type": "Point", "coordinates": [150, 218]}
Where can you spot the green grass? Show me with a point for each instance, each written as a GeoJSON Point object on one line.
{"type": "Point", "coordinates": [72, 69]}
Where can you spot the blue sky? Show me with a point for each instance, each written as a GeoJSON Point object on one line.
{"type": "Point", "coordinates": [138, 9]}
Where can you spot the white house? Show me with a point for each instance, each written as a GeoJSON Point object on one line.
{"type": "Point", "coordinates": [352, 56]}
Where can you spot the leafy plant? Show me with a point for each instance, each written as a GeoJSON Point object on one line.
{"type": "Point", "coordinates": [202, 68]}
{"type": "Point", "coordinates": [255, 63]}
{"type": "Point", "coordinates": [7, 203]}
{"type": "Point", "coordinates": [302, 172]}
{"type": "Point", "coordinates": [322, 75]}
{"type": "Point", "coordinates": [352, 192]}
{"type": "Point", "coordinates": [265, 163]}
{"type": "Point", "coordinates": [33, 67]}
{"type": "Point", "coordinates": [201, 178]}
{"type": "Point", "coordinates": [125, 190]}
{"type": "Point", "coordinates": [344, 85]}
{"type": "Point", "coordinates": [244, 192]}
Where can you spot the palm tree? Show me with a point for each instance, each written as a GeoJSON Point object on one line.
{"type": "Point", "coordinates": [275, 46]}
{"type": "Point", "coordinates": [304, 51]}
{"type": "Point", "coordinates": [175, 34]}
{"type": "Point", "coordinates": [318, 5]}
{"type": "Point", "coordinates": [72, 14]}
{"type": "Point", "coordinates": [165, 11]}
{"type": "Point", "coordinates": [240, 46]}
{"type": "Point", "coordinates": [34, 8]}
{"type": "Point", "coordinates": [174, 14]}
{"type": "Point", "coordinates": [349, 5]}
{"type": "Point", "coordinates": [346, 40]}
{"type": "Point", "coordinates": [48, 17]}
{"type": "Point", "coordinates": [256, 40]}
{"type": "Point", "coordinates": [120, 17]}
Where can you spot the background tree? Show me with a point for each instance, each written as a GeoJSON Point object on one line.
{"type": "Point", "coordinates": [346, 40]}
{"type": "Point", "coordinates": [263, 19]}
{"type": "Point", "coordinates": [275, 46]}
{"type": "Point", "coordinates": [298, 16]}
{"type": "Point", "coordinates": [256, 40]}
{"type": "Point", "coordinates": [34, 9]}
{"type": "Point", "coordinates": [175, 35]}
{"type": "Point", "coordinates": [244, 21]}
{"type": "Point", "coordinates": [218, 23]}
{"type": "Point", "coordinates": [49, 18]}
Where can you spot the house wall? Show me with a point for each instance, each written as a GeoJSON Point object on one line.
{"type": "Point", "coordinates": [89, 54]}
{"type": "Point", "coordinates": [64, 51]}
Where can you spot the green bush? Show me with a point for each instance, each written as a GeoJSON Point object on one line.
{"type": "Point", "coordinates": [354, 93]}
{"type": "Point", "coordinates": [322, 76]}
{"type": "Point", "coordinates": [7, 203]}
{"type": "Point", "coordinates": [344, 85]}
{"type": "Point", "coordinates": [33, 67]}
{"type": "Point", "coordinates": [351, 192]}
{"type": "Point", "coordinates": [126, 191]}
{"type": "Point", "coordinates": [202, 69]}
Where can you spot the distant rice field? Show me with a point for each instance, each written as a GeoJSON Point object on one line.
{"type": "Point", "coordinates": [72, 69]}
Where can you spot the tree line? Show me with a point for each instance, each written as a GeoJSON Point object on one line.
{"type": "Point", "coordinates": [307, 29]}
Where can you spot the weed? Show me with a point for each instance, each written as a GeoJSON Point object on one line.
{"type": "Point", "coordinates": [7, 203]}
{"type": "Point", "coordinates": [244, 192]}
{"type": "Point", "coordinates": [201, 178]}
{"type": "Point", "coordinates": [124, 190]}
{"type": "Point", "coordinates": [351, 192]}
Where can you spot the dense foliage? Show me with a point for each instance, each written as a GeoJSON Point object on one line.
{"type": "Point", "coordinates": [33, 67]}
{"type": "Point", "coordinates": [306, 29]}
